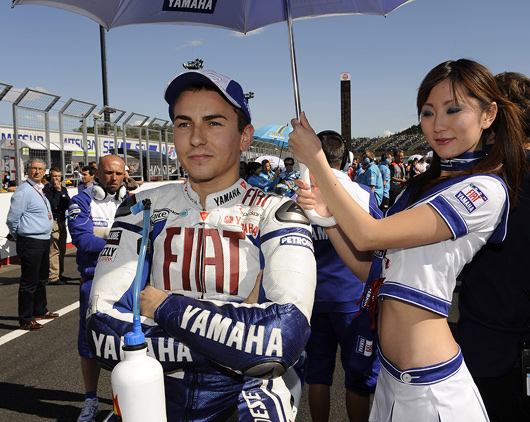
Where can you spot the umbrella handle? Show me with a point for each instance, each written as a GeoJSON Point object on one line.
{"type": "Point", "coordinates": [312, 214]}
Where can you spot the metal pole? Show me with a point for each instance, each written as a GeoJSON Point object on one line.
{"type": "Point", "coordinates": [293, 59]}
{"type": "Point", "coordinates": [304, 171]}
{"type": "Point", "coordinates": [103, 49]}
{"type": "Point", "coordinates": [18, 170]}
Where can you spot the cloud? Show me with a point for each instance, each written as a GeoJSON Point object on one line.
{"type": "Point", "coordinates": [248, 34]}
{"type": "Point", "coordinates": [14, 93]}
{"type": "Point", "coordinates": [192, 43]}
{"type": "Point", "coordinates": [387, 133]}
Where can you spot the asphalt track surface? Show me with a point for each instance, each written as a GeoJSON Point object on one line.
{"type": "Point", "coordinates": [40, 373]}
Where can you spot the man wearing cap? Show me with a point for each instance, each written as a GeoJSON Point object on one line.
{"type": "Point", "coordinates": [218, 312]}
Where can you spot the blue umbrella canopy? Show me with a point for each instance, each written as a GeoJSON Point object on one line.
{"type": "Point", "coordinates": [276, 134]}
{"type": "Point", "coordinates": [238, 15]}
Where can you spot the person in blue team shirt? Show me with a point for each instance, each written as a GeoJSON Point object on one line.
{"type": "Point", "coordinates": [258, 179]}
{"type": "Point", "coordinates": [288, 176]}
{"type": "Point", "coordinates": [269, 174]}
{"type": "Point", "coordinates": [334, 320]}
{"type": "Point", "coordinates": [372, 176]}
{"type": "Point", "coordinates": [386, 159]}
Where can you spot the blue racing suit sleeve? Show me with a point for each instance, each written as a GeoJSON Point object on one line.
{"type": "Point", "coordinates": [82, 232]}
{"type": "Point", "coordinates": [261, 342]}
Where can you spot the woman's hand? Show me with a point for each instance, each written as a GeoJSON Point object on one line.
{"type": "Point", "coordinates": [150, 299]}
{"type": "Point", "coordinates": [310, 198]}
{"type": "Point", "coordinates": [303, 142]}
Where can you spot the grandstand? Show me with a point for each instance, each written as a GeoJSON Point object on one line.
{"type": "Point", "coordinates": [411, 141]}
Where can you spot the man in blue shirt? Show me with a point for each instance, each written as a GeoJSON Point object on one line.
{"type": "Point", "coordinates": [288, 176]}
{"type": "Point", "coordinates": [372, 176]}
{"type": "Point", "coordinates": [333, 321]}
{"type": "Point", "coordinates": [386, 159]}
{"type": "Point", "coordinates": [30, 222]}
{"type": "Point", "coordinates": [271, 175]}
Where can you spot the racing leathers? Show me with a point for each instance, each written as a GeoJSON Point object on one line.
{"type": "Point", "coordinates": [223, 359]}
{"type": "Point", "coordinates": [89, 222]}
{"type": "Point", "coordinates": [90, 218]}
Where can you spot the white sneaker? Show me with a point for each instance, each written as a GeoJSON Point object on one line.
{"type": "Point", "coordinates": [89, 411]}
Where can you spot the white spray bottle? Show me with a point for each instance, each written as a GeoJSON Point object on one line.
{"type": "Point", "coordinates": [138, 380]}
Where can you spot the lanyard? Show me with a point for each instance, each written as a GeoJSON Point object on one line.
{"type": "Point", "coordinates": [43, 198]}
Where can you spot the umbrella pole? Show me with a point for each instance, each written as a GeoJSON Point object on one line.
{"type": "Point", "coordinates": [293, 58]}
{"type": "Point", "coordinates": [304, 171]}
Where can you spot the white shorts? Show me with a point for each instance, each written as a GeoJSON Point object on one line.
{"type": "Point", "coordinates": [440, 393]}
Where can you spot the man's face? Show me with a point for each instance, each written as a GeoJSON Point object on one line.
{"type": "Point", "coordinates": [267, 167]}
{"type": "Point", "coordinates": [207, 139]}
{"type": "Point", "coordinates": [86, 178]}
{"type": "Point", "coordinates": [36, 172]}
{"type": "Point", "coordinates": [399, 158]}
{"type": "Point", "coordinates": [110, 173]}
{"type": "Point", "coordinates": [289, 165]}
{"type": "Point", "coordinates": [55, 177]}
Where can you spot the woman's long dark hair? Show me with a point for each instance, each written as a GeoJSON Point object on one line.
{"type": "Point", "coordinates": [507, 157]}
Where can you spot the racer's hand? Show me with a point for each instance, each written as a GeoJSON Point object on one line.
{"type": "Point", "coordinates": [254, 294]}
{"type": "Point", "coordinates": [150, 299]}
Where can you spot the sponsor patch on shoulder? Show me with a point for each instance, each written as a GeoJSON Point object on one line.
{"type": "Point", "coordinates": [296, 240]}
{"type": "Point", "coordinates": [471, 197]}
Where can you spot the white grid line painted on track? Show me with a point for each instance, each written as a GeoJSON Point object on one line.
{"type": "Point", "coordinates": [17, 333]}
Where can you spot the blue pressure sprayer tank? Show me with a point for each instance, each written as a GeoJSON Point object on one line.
{"type": "Point", "coordinates": [138, 380]}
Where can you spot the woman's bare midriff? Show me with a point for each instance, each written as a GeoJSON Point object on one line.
{"type": "Point", "coordinates": [411, 337]}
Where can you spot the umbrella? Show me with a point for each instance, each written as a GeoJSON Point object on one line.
{"type": "Point", "coordinates": [238, 15]}
{"type": "Point", "coordinates": [275, 161]}
{"type": "Point", "coordinates": [275, 134]}
{"type": "Point", "coordinates": [418, 156]}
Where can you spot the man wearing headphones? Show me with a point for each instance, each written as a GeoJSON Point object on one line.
{"type": "Point", "coordinates": [90, 217]}
{"type": "Point", "coordinates": [59, 200]}
{"type": "Point", "coordinates": [334, 321]}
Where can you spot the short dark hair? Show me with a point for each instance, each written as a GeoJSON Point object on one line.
{"type": "Point", "coordinates": [91, 170]}
{"type": "Point", "coordinates": [252, 167]}
{"type": "Point", "coordinates": [290, 159]}
{"type": "Point", "coordinates": [333, 147]}
{"type": "Point", "coordinates": [242, 119]}
{"type": "Point", "coordinates": [56, 170]}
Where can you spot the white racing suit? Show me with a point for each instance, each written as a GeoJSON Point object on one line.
{"type": "Point", "coordinates": [223, 359]}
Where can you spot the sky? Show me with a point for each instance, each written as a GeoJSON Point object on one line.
{"type": "Point", "coordinates": [56, 51]}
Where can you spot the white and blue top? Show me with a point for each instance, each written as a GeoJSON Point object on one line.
{"type": "Point", "coordinates": [475, 208]}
